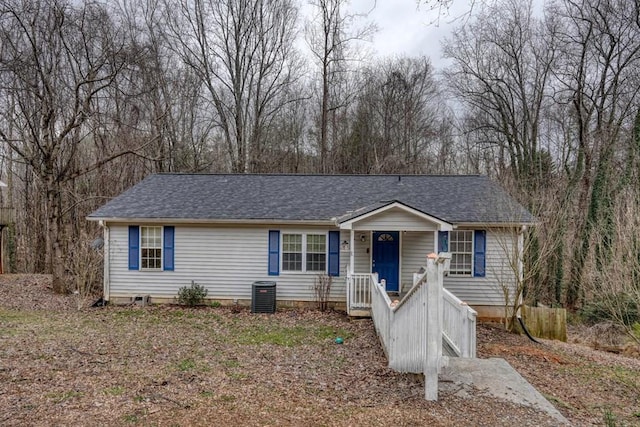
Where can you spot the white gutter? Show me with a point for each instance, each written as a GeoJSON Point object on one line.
{"type": "Point", "coordinates": [213, 221]}
{"type": "Point", "coordinates": [493, 224]}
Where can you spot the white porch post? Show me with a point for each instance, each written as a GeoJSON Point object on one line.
{"type": "Point", "coordinates": [351, 251]}
{"type": "Point", "coordinates": [434, 327]}
{"type": "Point", "coordinates": [435, 241]}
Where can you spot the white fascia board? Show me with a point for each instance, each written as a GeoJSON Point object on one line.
{"type": "Point", "coordinates": [480, 225]}
{"type": "Point", "coordinates": [442, 225]}
{"type": "Point", "coordinates": [210, 221]}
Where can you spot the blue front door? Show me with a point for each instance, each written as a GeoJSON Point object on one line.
{"type": "Point", "coordinates": [386, 258]}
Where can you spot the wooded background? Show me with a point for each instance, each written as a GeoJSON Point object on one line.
{"type": "Point", "coordinates": [97, 95]}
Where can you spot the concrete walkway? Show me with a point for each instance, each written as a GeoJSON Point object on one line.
{"type": "Point", "coordinates": [496, 378]}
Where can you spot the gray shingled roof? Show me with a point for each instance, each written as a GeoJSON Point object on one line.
{"type": "Point", "coordinates": [452, 198]}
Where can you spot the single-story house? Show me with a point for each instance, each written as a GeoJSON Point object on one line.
{"type": "Point", "coordinates": [227, 231]}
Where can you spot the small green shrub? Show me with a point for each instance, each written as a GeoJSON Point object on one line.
{"type": "Point", "coordinates": [192, 295]}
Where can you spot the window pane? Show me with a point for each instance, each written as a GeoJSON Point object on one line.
{"type": "Point", "coordinates": [316, 262]}
{"type": "Point", "coordinates": [292, 242]}
{"type": "Point", "coordinates": [292, 261]}
{"type": "Point", "coordinates": [316, 243]}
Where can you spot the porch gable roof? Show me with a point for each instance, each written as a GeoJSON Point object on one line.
{"type": "Point", "coordinates": [347, 221]}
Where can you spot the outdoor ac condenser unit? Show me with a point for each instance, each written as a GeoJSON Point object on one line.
{"type": "Point", "coordinates": [263, 297]}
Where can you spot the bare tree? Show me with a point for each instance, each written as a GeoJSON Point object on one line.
{"type": "Point", "coordinates": [598, 80]}
{"type": "Point", "coordinates": [501, 71]}
{"type": "Point", "coordinates": [56, 60]}
{"type": "Point", "coordinates": [165, 94]}
{"type": "Point", "coordinates": [331, 36]}
{"type": "Point", "coordinates": [616, 291]}
{"type": "Point", "coordinates": [549, 106]}
{"type": "Point", "coordinates": [394, 123]}
{"type": "Point", "coordinates": [243, 53]}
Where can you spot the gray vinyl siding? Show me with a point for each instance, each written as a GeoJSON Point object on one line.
{"type": "Point", "coordinates": [394, 220]}
{"type": "Point", "coordinates": [362, 252]}
{"type": "Point", "coordinates": [488, 290]}
{"type": "Point", "coordinates": [415, 248]}
{"type": "Point", "coordinates": [226, 260]}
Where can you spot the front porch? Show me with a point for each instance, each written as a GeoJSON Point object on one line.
{"type": "Point", "coordinates": [387, 248]}
{"type": "Point", "coordinates": [387, 244]}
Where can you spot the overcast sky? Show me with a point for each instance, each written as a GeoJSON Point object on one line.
{"type": "Point", "coordinates": [408, 28]}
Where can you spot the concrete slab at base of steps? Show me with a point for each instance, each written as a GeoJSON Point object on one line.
{"type": "Point", "coordinates": [496, 378]}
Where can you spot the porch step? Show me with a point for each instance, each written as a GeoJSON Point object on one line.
{"type": "Point", "coordinates": [360, 312]}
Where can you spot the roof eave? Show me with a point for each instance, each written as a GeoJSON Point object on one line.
{"type": "Point", "coordinates": [205, 221]}
{"type": "Point", "coordinates": [495, 224]}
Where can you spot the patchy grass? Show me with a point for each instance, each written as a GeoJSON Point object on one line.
{"type": "Point", "coordinates": [114, 391]}
{"type": "Point", "coordinates": [286, 335]}
{"type": "Point", "coordinates": [214, 366]}
{"type": "Point", "coordinates": [59, 397]}
{"type": "Point", "coordinates": [186, 365]}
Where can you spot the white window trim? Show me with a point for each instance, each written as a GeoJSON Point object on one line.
{"type": "Point", "coordinates": [473, 249]}
{"type": "Point", "coordinates": [304, 252]}
{"type": "Point", "coordinates": [161, 268]}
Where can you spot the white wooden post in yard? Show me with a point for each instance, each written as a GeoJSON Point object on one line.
{"type": "Point", "coordinates": [433, 342]}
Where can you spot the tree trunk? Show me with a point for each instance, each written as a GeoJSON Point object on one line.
{"type": "Point", "coordinates": [55, 260]}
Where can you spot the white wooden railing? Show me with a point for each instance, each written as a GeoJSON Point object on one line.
{"type": "Point", "coordinates": [458, 325]}
{"type": "Point", "coordinates": [381, 314]}
{"type": "Point", "coordinates": [412, 331]}
{"type": "Point", "coordinates": [359, 290]}
{"type": "Point", "coordinates": [409, 332]}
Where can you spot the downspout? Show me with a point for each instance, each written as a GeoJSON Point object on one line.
{"type": "Point", "coordinates": [107, 260]}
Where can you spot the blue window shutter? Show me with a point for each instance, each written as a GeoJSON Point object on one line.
{"type": "Point", "coordinates": [479, 252]}
{"type": "Point", "coordinates": [443, 241]}
{"type": "Point", "coordinates": [334, 253]}
{"type": "Point", "coordinates": [134, 247]}
{"type": "Point", "coordinates": [168, 251]}
{"type": "Point", "coordinates": [274, 252]}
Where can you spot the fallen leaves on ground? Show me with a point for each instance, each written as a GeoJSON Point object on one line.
{"type": "Point", "coordinates": [168, 365]}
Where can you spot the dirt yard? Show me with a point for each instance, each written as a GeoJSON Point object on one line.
{"type": "Point", "coordinates": [60, 365]}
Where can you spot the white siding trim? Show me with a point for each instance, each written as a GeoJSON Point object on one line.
{"type": "Point", "coordinates": [107, 263]}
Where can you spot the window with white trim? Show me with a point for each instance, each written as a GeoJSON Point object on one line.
{"type": "Point", "coordinates": [291, 252]}
{"type": "Point", "coordinates": [304, 252]}
{"type": "Point", "coordinates": [316, 252]}
{"type": "Point", "coordinates": [461, 248]}
{"type": "Point", "coordinates": [151, 248]}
